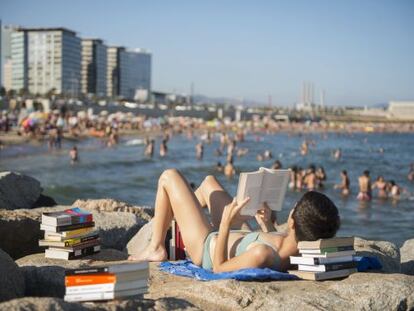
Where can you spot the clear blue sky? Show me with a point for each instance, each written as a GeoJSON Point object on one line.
{"type": "Point", "coordinates": [359, 52]}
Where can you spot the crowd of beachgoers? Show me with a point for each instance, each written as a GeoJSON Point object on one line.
{"type": "Point", "coordinates": [56, 125]}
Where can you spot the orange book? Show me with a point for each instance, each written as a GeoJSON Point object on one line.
{"type": "Point", "coordinates": [89, 279]}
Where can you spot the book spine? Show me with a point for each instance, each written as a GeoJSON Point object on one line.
{"type": "Point", "coordinates": [340, 266]}
{"type": "Point", "coordinates": [84, 252]}
{"type": "Point", "coordinates": [75, 226]}
{"type": "Point", "coordinates": [86, 271]}
{"type": "Point", "coordinates": [77, 280]}
{"type": "Point", "coordinates": [337, 249]}
{"type": "Point", "coordinates": [76, 241]}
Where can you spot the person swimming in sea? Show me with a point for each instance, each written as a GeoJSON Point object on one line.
{"type": "Point", "coordinates": [345, 183]}
{"type": "Point", "coordinates": [365, 190]}
{"type": "Point", "coordinates": [214, 244]}
{"type": "Point", "coordinates": [381, 185]}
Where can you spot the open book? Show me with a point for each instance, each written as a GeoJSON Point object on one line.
{"type": "Point", "coordinates": [264, 185]}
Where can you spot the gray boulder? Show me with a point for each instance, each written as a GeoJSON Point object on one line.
{"type": "Point", "coordinates": [18, 191]}
{"type": "Point", "coordinates": [25, 226]}
{"type": "Point", "coordinates": [45, 277]}
{"type": "Point", "coordinates": [116, 227]}
{"type": "Point", "coordinates": [387, 253]}
{"type": "Point", "coordinates": [12, 284]}
{"type": "Point", "coordinates": [407, 257]}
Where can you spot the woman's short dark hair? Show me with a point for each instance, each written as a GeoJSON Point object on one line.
{"type": "Point", "coordinates": [315, 217]}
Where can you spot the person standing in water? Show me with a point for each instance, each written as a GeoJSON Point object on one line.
{"type": "Point", "coordinates": [365, 190]}
{"type": "Point", "coordinates": [381, 185]}
{"type": "Point", "coordinates": [149, 149]}
{"type": "Point", "coordinates": [410, 175]}
{"type": "Point", "coordinates": [229, 170]}
{"type": "Point", "coordinates": [163, 148]}
{"type": "Point", "coordinates": [199, 151]}
{"type": "Point", "coordinates": [310, 178]}
{"type": "Point", "coordinates": [345, 183]}
{"type": "Point", "coordinates": [74, 156]}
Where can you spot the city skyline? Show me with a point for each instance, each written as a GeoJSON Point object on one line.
{"type": "Point", "coordinates": [358, 53]}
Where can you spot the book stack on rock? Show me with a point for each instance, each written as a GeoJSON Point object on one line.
{"type": "Point", "coordinates": [106, 282]}
{"type": "Point", "coordinates": [69, 234]}
{"type": "Point", "coordinates": [325, 259]}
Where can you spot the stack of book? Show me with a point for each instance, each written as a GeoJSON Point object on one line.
{"type": "Point", "coordinates": [69, 234]}
{"type": "Point", "coordinates": [106, 282]}
{"type": "Point", "coordinates": [325, 259]}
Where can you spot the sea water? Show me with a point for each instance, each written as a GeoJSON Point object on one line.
{"type": "Point", "coordinates": [124, 173]}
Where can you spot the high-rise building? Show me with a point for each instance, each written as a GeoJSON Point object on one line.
{"type": "Point", "coordinates": [46, 59]}
{"type": "Point", "coordinates": [128, 72]}
{"type": "Point", "coordinates": [94, 67]}
{"type": "Point", "coordinates": [5, 55]}
{"type": "Point", "coordinates": [19, 60]}
{"type": "Point", "coordinates": [112, 73]}
{"type": "Point", "coordinates": [135, 72]}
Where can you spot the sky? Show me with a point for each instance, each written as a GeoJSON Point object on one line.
{"type": "Point", "coordinates": [358, 52]}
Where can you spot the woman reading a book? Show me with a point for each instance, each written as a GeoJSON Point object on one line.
{"type": "Point", "coordinates": [215, 244]}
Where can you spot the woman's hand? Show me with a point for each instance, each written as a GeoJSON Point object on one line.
{"type": "Point", "coordinates": [232, 210]}
{"type": "Point", "coordinates": [264, 218]}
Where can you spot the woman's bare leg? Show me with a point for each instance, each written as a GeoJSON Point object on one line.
{"type": "Point", "coordinates": [212, 195]}
{"type": "Point", "coordinates": [176, 199]}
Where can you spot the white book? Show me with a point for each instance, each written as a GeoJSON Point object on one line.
{"type": "Point", "coordinates": [264, 185]}
{"type": "Point", "coordinates": [328, 255]}
{"type": "Point", "coordinates": [105, 295]}
{"type": "Point", "coordinates": [59, 253]}
{"type": "Point", "coordinates": [320, 276]}
{"type": "Point", "coordinates": [106, 287]}
{"type": "Point", "coordinates": [328, 267]}
{"type": "Point", "coordinates": [300, 260]}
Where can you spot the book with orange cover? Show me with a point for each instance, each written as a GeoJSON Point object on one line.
{"type": "Point", "coordinates": [89, 279]}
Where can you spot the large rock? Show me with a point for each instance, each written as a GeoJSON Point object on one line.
{"type": "Point", "coordinates": [45, 277]}
{"type": "Point", "coordinates": [140, 241]}
{"type": "Point", "coordinates": [41, 304]}
{"type": "Point", "coordinates": [57, 304]}
{"type": "Point", "coordinates": [387, 253]}
{"type": "Point", "coordinates": [407, 257]}
{"type": "Point", "coordinates": [116, 227]}
{"type": "Point", "coordinates": [360, 291]}
{"type": "Point", "coordinates": [110, 205]}
{"type": "Point", "coordinates": [12, 284]}
{"type": "Point", "coordinates": [18, 191]}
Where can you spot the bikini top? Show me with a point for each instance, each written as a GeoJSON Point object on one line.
{"type": "Point", "coordinates": [254, 237]}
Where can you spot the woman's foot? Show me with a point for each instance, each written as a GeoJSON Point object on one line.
{"type": "Point", "coordinates": [151, 254]}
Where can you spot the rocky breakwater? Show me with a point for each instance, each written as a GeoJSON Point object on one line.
{"type": "Point", "coordinates": [380, 290]}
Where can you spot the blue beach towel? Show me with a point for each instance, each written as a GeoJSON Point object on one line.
{"type": "Point", "coordinates": [188, 269]}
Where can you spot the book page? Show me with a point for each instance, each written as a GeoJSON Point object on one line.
{"type": "Point", "coordinates": [250, 186]}
{"type": "Point", "coordinates": [274, 186]}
